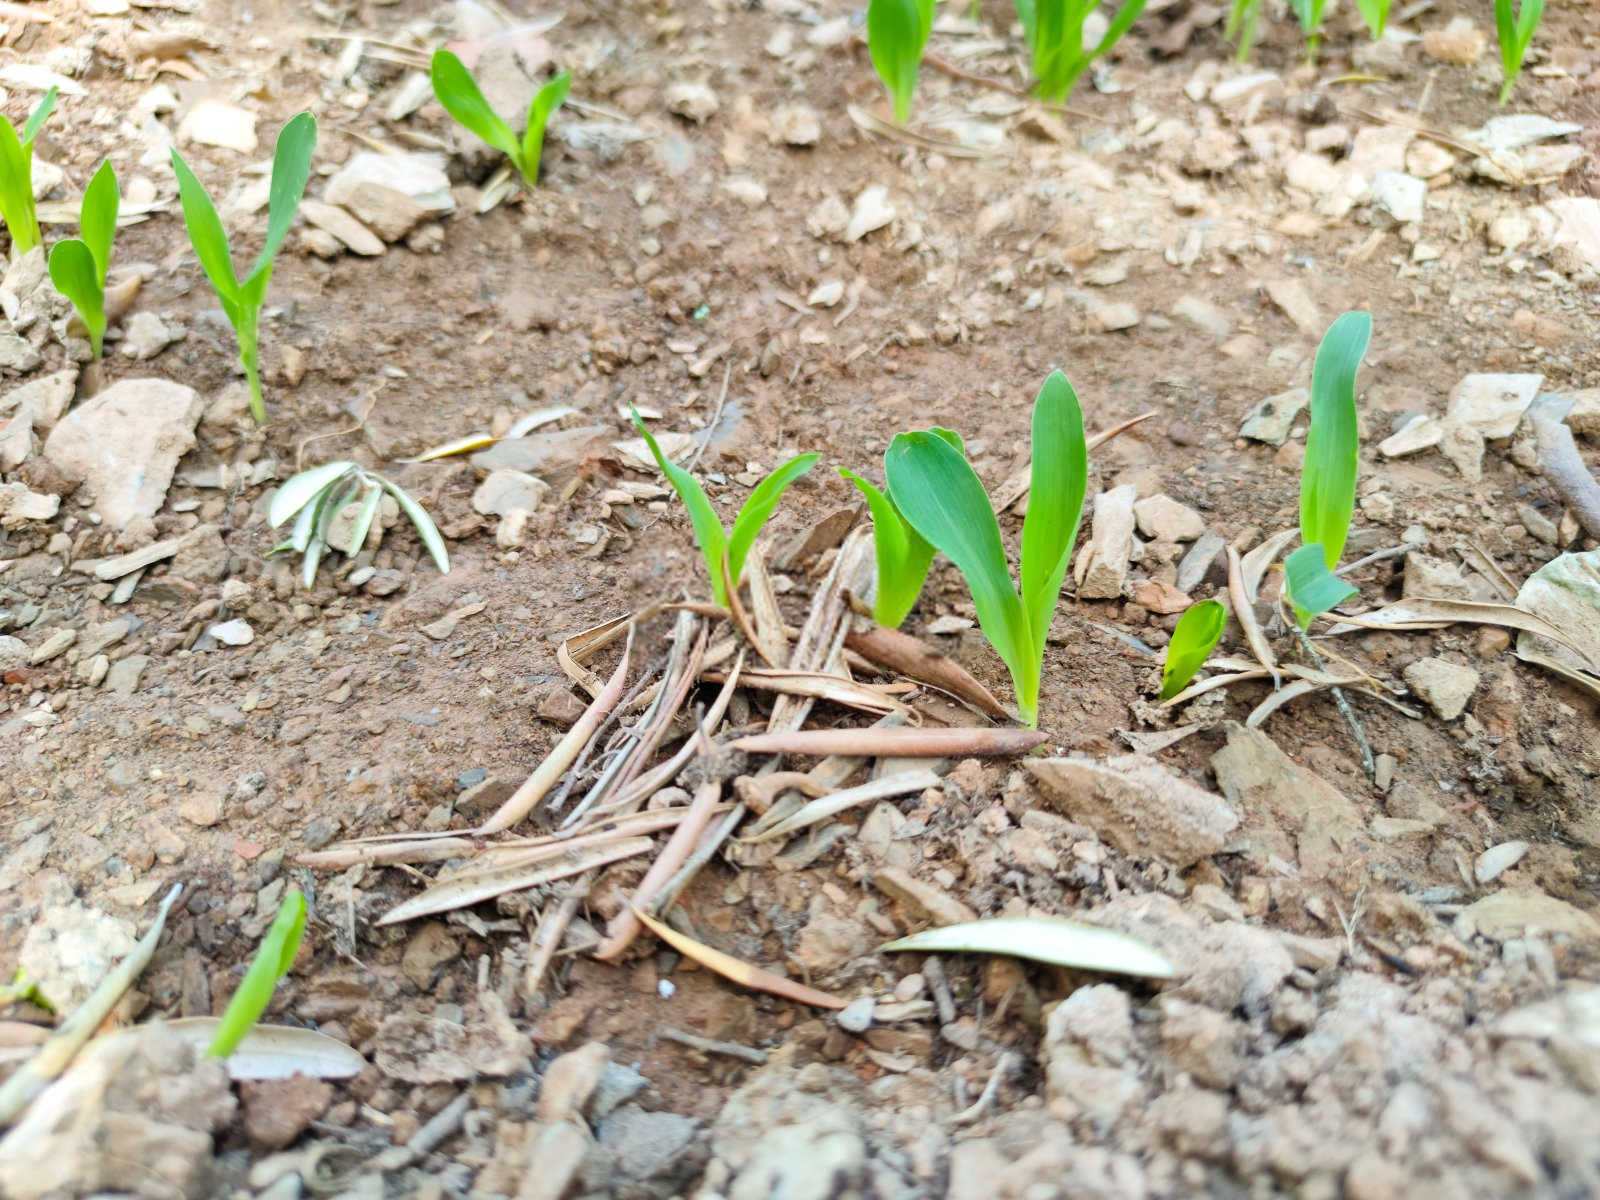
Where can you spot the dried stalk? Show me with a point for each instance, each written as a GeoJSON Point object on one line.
{"type": "Point", "coordinates": [1564, 467]}
{"type": "Point", "coordinates": [895, 743]}
{"type": "Point", "coordinates": [901, 652]}
{"type": "Point", "coordinates": [1244, 608]}
{"type": "Point", "coordinates": [552, 927]}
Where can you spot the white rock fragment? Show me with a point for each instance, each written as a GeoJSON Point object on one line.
{"type": "Point", "coordinates": [872, 211]}
{"type": "Point", "coordinates": [746, 191]}
{"type": "Point", "coordinates": [1420, 433]}
{"type": "Point", "coordinates": [830, 33]}
{"type": "Point", "coordinates": [213, 123]}
{"type": "Point", "coordinates": [1509, 231]}
{"type": "Point", "coordinates": [829, 218]}
{"type": "Point", "coordinates": [392, 193]}
{"type": "Point", "coordinates": [145, 335]}
{"type": "Point", "coordinates": [1443, 685]}
{"type": "Point", "coordinates": [1497, 860]}
{"type": "Point", "coordinates": [1108, 316]}
{"type": "Point", "coordinates": [1102, 564]}
{"type": "Point", "coordinates": [797, 125]}
{"type": "Point", "coordinates": [1518, 130]}
{"type": "Point", "coordinates": [125, 443]}
{"type": "Point", "coordinates": [1400, 195]}
{"type": "Point", "coordinates": [19, 506]}
{"type": "Point", "coordinates": [349, 231]}
{"type": "Point", "coordinates": [1493, 404]}
{"type": "Point", "coordinates": [236, 632]}
{"type": "Point", "coordinates": [1166, 520]}
{"type": "Point", "coordinates": [826, 294]}
{"type": "Point", "coordinates": [506, 490]}
{"type": "Point", "coordinates": [1204, 315]}
{"type": "Point", "coordinates": [693, 101]}
{"type": "Point", "coordinates": [1272, 419]}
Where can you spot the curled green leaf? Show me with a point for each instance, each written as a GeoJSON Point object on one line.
{"type": "Point", "coordinates": [271, 963]}
{"type": "Point", "coordinates": [1197, 634]}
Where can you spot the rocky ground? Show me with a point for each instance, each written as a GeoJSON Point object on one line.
{"type": "Point", "coordinates": [1383, 988]}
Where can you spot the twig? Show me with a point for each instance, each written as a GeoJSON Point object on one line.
{"type": "Point", "coordinates": [747, 1054]}
{"type": "Point", "coordinates": [945, 66]}
{"type": "Point", "coordinates": [954, 742]}
{"type": "Point", "coordinates": [1377, 556]}
{"type": "Point", "coordinates": [552, 927]}
{"type": "Point", "coordinates": [1008, 1063]}
{"type": "Point", "coordinates": [933, 972]}
{"type": "Point", "coordinates": [1360, 735]}
{"type": "Point", "coordinates": [1563, 465]}
{"type": "Point", "coordinates": [1245, 611]}
{"type": "Point", "coordinates": [441, 1125]}
{"type": "Point", "coordinates": [716, 419]}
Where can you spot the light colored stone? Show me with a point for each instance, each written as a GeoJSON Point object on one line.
{"type": "Point", "coordinates": [1584, 415]}
{"type": "Point", "coordinates": [1515, 912]}
{"type": "Point", "coordinates": [1445, 686]}
{"type": "Point", "coordinates": [1420, 433]}
{"type": "Point", "coordinates": [1138, 806]}
{"type": "Point", "coordinates": [1400, 195]}
{"type": "Point", "coordinates": [19, 506]}
{"type": "Point", "coordinates": [826, 294]}
{"type": "Point", "coordinates": [17, 355]}
{"type": "Point", "coordinates": [797, 125]}
{"type": "Point", "coordinates": [145, 335]}
{"type": "Point", "coordinates": [1510, 231]}
{"type": "Point", "coordinates": [505, 491]}
{"type": "Point", "coordinates": [1237, 92]}
{"type": "Point", "coordinates": [1164, 519]}
{"type": "Point", "coordinates": [125, 444]}
{"type": "Point", "coordinates": [392, 193]}
{"type": "Point", "coordinates": [236, 632]}
{"type": "Point", "coordinates": [1497, 860]}
{"type": "Point", "coordinates": [1204, 315]}
{"type": "Point", "coordinates": [745, 190]}
{"type": "Point", "coordinates": [872, 211]}
{"type": "Point", "coordinates": [336, 221]}
{"type": "Point", "coordinates": [1102, 564]}
{"type": "Point", "coordinates": [694, 101]}
{"type": "Point", "coordinates": [214, 123]}
{"type": "Point", "coordinates": [1293, 297]}
{"type": "Point", "coordinates": [1516, 130]}
{"type": "Point", "coordinates": [1271, 420]}
{"type": "Point", "coordinates": [46, 398]}
{"type": "Point", "coordinates": [1493, 404]}
{"type": "Point", "coordinates": [1109, 316]}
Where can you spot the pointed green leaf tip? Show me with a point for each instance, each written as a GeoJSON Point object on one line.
{"type": "Point", "coordinates": [271, 963]}
{"type": "Point", "coordinates": [1197, 634]}
{"type": "Point", "coordinates": [1328, 476]}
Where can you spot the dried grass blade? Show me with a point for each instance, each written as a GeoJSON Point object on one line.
{"type": "Point", "coordinates": [819, 810]}
{"type": "Point", "coordinates": [1421, 612]}
{"type": "Point", "coordinates": [658, 777]}
{"type": "Point", "coordinates": [1244, 609]}
{"type": "Point", "coordinates": [816, 686]}
{"type": "Point", "coordinates": [738, 970]}
{"type": "Point", "coordinates": [624, 927]}
{"type": "Point", "coordinates": [1256, 562]}
{"type": "Point", "coordinates": [895, 743]}
{"type": "Point", "coordinates": [767, 629]}
{"type": "Point", "coordinates": [1211, 684]}
{"type": "Point", "coordinates": [897, 651]}
{"type": "Point", "coordinates": [56, 1055]}
{"type": "Point", "coordinates": [394, 850]}
{"type": "Point", "coordinates": [522, 801]}
{"type": "Point", "coordinates": [1279, 697]}
{"type": "Point", "coordinates": [1571, 674]}
{"type": "Point", "coordinates": [474, 887]}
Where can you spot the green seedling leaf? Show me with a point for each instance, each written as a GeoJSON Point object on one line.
{"type": "Point", "coordinates": [1044, 939]}
{"type": "Point", "coordinates": [297, 491]}
{"type": "Point", "coordinates": [902, 555]}
{"type": "Point", "coordinates": [941, 497]}
{"type": "Point", "coordinates": [1313, 588]}
{"type": "Point", "coordinates": [458, 94]}
{"type": "Point", "coordinates": [16, 177]}
{"type": "Point", "coordinates": [1328, 476]}
{"type": "Point", "coordinates": [758, 507]}
{"type": "Point", "coordinates": [271, 963]}
{"type": "Point", "coordinates": [97, 220]}
{"type": "Point", "coordinates": [1053, 30]}
{"type": "Point", "coordinates": [75, 275]}
{"type": "Point", "coordinates": [545, 101]}
{"type": "Point", "coordinates": [1060, 477]}
{"type": "Point", "coordinates": [1241, 27]}
{"type": "Point", "coordinates": [206, 234]}
{"type": "Point", "coordinates": [1309, 13]}
{"type": "Point", "coordinates": [703, 517]}
{"type": "Point", "coordinates": [291, 168]}
{"type": "Point", "coordinates": [1376, 14]}
{"type": "Point", "coordinates": [897, 32]}
{"type": "Point", "coordinates": [1515, 30]}
{"type": "Point", "coordinates": [363, 521]}
{"type": "Point", "coordinates": [1197, 634]}
{"type": "Point", "coordinates": [423, 524]}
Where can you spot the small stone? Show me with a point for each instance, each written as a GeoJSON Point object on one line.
{"type": "Point", "coordinates": [826, 294]}
{"type": "Point", "coordinates": [201, 555]}
{"type": "Point", "coordinates": [1204, 315]}
{"type": "Point", "coordinates": [1539, 525]}
{"type": "Point", "coordinates": [17, 355]}
{"type": "Point", "coordinates": [925, 901]}
{"type": "Point", "coordinates": [505, 490]}
{"type": "Point", "coordinates": [561, 708]}
{"type": "Point", "coordinates": [57, 643]}
{"type": "Point", "coordinates": [1271, 420]}
{"type": "Point", "coordinates": [392, 193]}
{"type": "Point", "coordinates": [747, 192]}
{"type": "Point", "coordinates": [1196, 564]}
{"type": "Point", "coordinates": [569, 1081]}
{"type": "Point", "coordinates": [1110, 316]}
{"type": "Point", "coordinates": [349, 231]}
{"type": "Point", "coordinates": [856, 1017]}
{"type": "Point", "coordinates": [1463, 446]}
{"type": "Point", "coordinates": [1427, 159]}
{"type": "Point", "coordinates": [1497, 860]}
{"type": "Point", "coordinates": [1509, 231]}
{"type": "Point", "coordinates": [1421, 432]}
{"type": "Point", "coordinates": [1239, 91]}
{"type": "Point", "coordinates": [797, 125]}
{"type": "Point", "coordinates": [1513, 912]}
{"type": "Point", "coordinates": [694, 101]}
{"type": "Point", "coordinates": [276, 1111]}
{"type": "Point", "coordinates": [1292, 297]}
{"type": "Point", "coordinates": [145, 335]}
{"type": "Point", "coordinates": [1164, 519]}
{"type": "Point", "coordinates": [830, 218]}
{"type": "Point", "coordinates": [204, 809]}
{"type": "Point", "coordinates": [427, 952]}
{"type": "Point", "coordinates": [123, 678]}
{"type": "Point", "coordinates": [1400, 195]}
{"type": "Point", "coordinates": [236, 632]}
{"type": "Point", "coordinates": [1460, 42]}
{"type": "Point", "coordinates": [1397, 829]}
{"type": "Point", "coordinates": [46, 398]}
{"type": "Point", "coordinates": [1493, 404]}
{"type": "Point", "coordinates": [213, 123]}
{"type": "Point", "coordinates": [1102, 564]}
{"type": "Point", "coordinates": [1445, 686]}
{"type": "Point", "coordinates": [872, 211]}
{"type": "Point", "coordinates": [103, 636]}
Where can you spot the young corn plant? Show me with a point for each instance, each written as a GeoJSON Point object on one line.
{"type": "Point", "coordinates": [1197, 634]}
{"type": "Point", "coordinates": [901, 554]}
{"type": "Point", "coordinates": [1376, 14]}
{"type": "Point", "coordinates": [724, 551]}
{"type": "Point", "coordinates": [897, 34]}
{"type": "Point", "coordinates": [78, 265]}
{"type": "Point", "coordinates": [271, 963]}
{"type": "Point", "coordinates": [1516, 30]}
{"type": "Point", "coordinates": [242, 298]}
{"type": "Point", "coordinates": [1328, 477]}
{"type": "Point", "coordinates": [1243, 16]}
{"type": "Point", "coordinates": [315, 497]}
{"type": "Point", "coordinates": [458, 92]}
{"type": "Point", "coordinates": [1053, 30]}
{"type": "Point", "coordinates": [16, 177]}
{"type": "Point", "coordinates": [940, 496]}
{"type": "Point", "coordinates": [1310, 14]}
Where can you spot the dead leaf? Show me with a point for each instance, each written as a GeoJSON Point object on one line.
{"type": "Point", "coordinates": [738, 970]}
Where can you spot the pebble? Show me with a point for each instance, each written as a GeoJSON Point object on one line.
{"type": "Point", "coordinates": [1164, 519]}
{"type": "Point", "coordinates": [797, 125]}
{"type": "Point", "coordinates": [1204, 315]}
{"type": "Point", "coordinates": [1497, 860]}
{"type": "Point", "coordinates": [214, 123]}
{"type": "Point", "coordinates": [872, 211]}
{"type": "Point", "coordinates": [56, 644]}
{"type": "Point", "coordinates": [693, 101]}
{"type": "Point", "coordinates": [124, 675]}
{"type": "Point", "coordinates": [1196, 564]}
{"type": "Point", "coordinates": [203, 808]}
{"type": "Point", "coordinates": [336, 221]}
{"type": "Point", "coordinates": [1460, 42]}
{"type": "Point", "coordinates": [145, 335]}
{"type": "Point", "coordinates": [16, 354]}
{"type": "Point", "coordinates": [1445, 686]}
{"type": "Point", "coordinates": [1493, 404]}
{"type": "Point", "coordinates": [1400, 195]}
{"type": "Point", "coordinates": [1110, 316]}
{"type": "Point", "coordinates": [856, 1017]}
{"type": "Point", "coordinates": [236, 632]}
{"type": "Point", "coordinates": [505, 490]}
{"type": "Point", "coordinates": [1509, 231]}
{"type": "Point", "coordinates": [826, 294]}
{"type": "Point", "coordinates": [1102, 564]}
{"type": "Point", "coordinates": [392, 193]}
{"type": "Point", "coordinates": [1271, 420]}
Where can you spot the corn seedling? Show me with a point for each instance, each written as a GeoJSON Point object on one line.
{"type": "Point", "coordinates": [724, 551]}
{"type": "Point", "coordinates": [16, 177]}
{"type": "Point", "coordinates": [941, 497]}
{"type": "Point", "coordinates": [1328, 478]}
{"type": "Point", "coordinates": [1053, 30]}
{"type": "Point", "coordinates": [1516, 30]}
{"type": "Point", "coordinates": [901, 554]}
{"type": "Point", "coordinates": [1241, 27]}
{"type": "Point", "coordinates": [315, 497]}
{"type": "Point", "coordinates": [1310, 14]}
{"type": "Point", "coordinates": [242, 299]}
{"type": "Point", "coordinates": [271, 963]}
{"type": "Point", "coordinates": [897, 33]}
{"type": "Point", "coordinates": [1376, 14]}
{"type": "Point", "coordinates": [458, 92]}
{"type": "Point", "coordinates": [78, 265]}
{"type": "Point", "coordinates": [1197, 634]}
